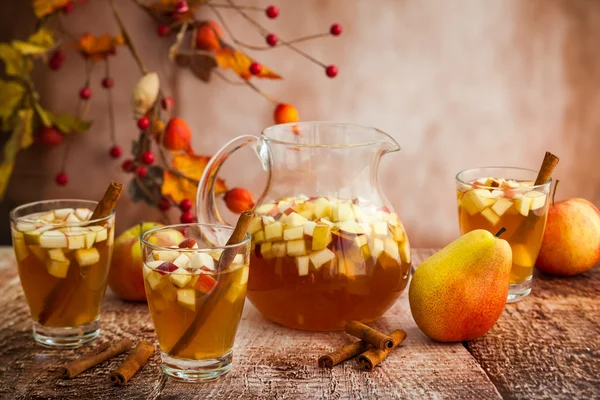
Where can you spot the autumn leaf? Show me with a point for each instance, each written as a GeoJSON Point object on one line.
{"type": "Point", "coordinates": [11, 94]}
{"type": "Point", "coordinates": [192, 166]}
{"type": "Point", "coordinates": [41, 8]}
{"type": "Point", "coordinates": [66, 123]}
{"type": "Point", "coordinates": [38, 43]}
{"type": "Point", "coordinates": [97, 48]}
{"type": "Point", "coordinates": [14, 62]}
{"type": "Point", "coordinates": [228, 57]}
{"type": "Point", "coordinates": [21, 138]}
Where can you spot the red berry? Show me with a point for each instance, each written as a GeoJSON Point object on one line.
{"type": "Point", "coordinates": [255, 68]}
{"type": "Point", "coordinates": [162, 31]}
{"type": "Point", "coordinates": [272, 39]}
{"type": "Point", "coordinates": [108, 82]}
{"type": "Point", "coordinates": [85, 93]}
{"type": "Point", "coordinates": [57, 59]}
{"type": "Point", "coordinates": [272, 12]}
{"type": "Point", "coordinates": [181, 7]}
{"type": "Point", "coordinates": [68, 8]}
{"type": "Point", "coordinates": [187, 218]}
{"type": "Point", "coordinates": [115, 151]}
{"type": "Point", "coordinates": [336, 30]}
{"type": "Point", "coordinates": [331, 71]}
{"type": "Point", "coordinates": [128, 165]}
{"type": "Point", "coordinates": [164, 204]}
{"type": "Point", "coordinates": [185, 205]}
{"type": "Point", "coordinates": [148, 157]}
{"type": "Point", "coordinates": [167, 103]}
{"type": "Point", "coordinates": [143, 123]}
{"type": "Point", "coordinates": [50, 136]}
{"type": "Point", "coordinates": [62, 179]}
{"type": "Point", "coordinates": [142, 172]}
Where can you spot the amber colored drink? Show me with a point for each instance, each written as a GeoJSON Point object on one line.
{"type": "Point", "coordinates": [319, 263]}
{"type": "Point", "coordinates": [518, 206]}
{"type": "Point", "coordinates": [63, 263]}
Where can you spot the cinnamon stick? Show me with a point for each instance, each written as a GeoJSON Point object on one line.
{"type": "Point", "coordinates": [548, 165]}
{"type": "Point", "coordinates": [62, 292]}
{"type": "Point", "coordinates": [345, 353]}
{"type": "Point", "coordinates": [86, 362]}
{"type": "Point", "coordinates": [238, 235]}
{"type": "Point", "coordinates": [370, 358]}
{"type": "Point", "coordinates": [134, 361]}
{"type": "Point", "coordinates": [369, 335]}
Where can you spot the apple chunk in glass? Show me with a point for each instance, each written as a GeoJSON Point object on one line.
{"type": "Point", "coordinates": [501, 197]}
{"type": "Point", "coordinates": [63, 259]}
{"type": "Point", "coordinates": [195, 302]}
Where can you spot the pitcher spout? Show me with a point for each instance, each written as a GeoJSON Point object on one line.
{"type": "Point", "coordinates": [388, 143]}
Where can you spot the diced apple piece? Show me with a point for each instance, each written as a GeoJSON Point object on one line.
{"type": "Point", "coordinates": [259, 237]}
{"type": "Point", "coordinates": [295, 219]}
{"type": "Point", "coordinates": [101, 233]}
{"type": "Point", "coordinates": [72, 219]}
{"type": "Point", "coordinates": [110, 239]}
{"type": "Point", "coordinates": [56, 255]}
{"type": "Point", "coordinates": [21, 251]}
{"type": "Point", "coordinates": [308, 214]}
{"type": "Point", "coordinates": [522, 204]}
{"type": "Point", "coordinates": [266, 250]}
{"type": "Point", "coordinates": [265, 209]}
{"type": "Point", "coordinates": [274, 232]}
{"type": "Point", "coordinates": [90, 239]}
{"type": "Point", "coordinates": [405, 252]}
{"type": "Point", "coordinates": [360, 241]}
{"type": "Point", "coordinates": [244, 276]}
{"type": "Point", "coordinates": [391, 218]}
{"type": "Point", "coordinates": [352, 227]}
{"type": "Point", "coordinates": [390, 247]}
{"type": "Point", "coordinates": [321, 237]}
{"type": "Point", "coordinates": [199, 260]}
{"type": "Point", "coordinates": [377, 247]}
{"type": "Point", "coordinates": [63, 213]}
{"type": "Point", "coordinates": [165, 255]}
{"type": "Point", "coordinates": [325, 221]}
{"type": "Point", "coordinates": [302, 263]}
{"type": "Point", "coordinates": [501, 206]}
{"type": "Point", "coordinates": [154, 264]}
{"type": "Point", "coordinates": [180, 277]}
{"type": "Point", "coordinates": [87, 257]}
{"type": "Point", "coordinates": [181, 261]}
{"type": "Point", "coordinates": [322, 207]}
{"type": "Point", "coordinates": [238, 259]}
{"type": "Point", "coordinates": [293, 233]}
{"type": "Point", "coordinates": [58, 269]}
{"type": "Point", "coordinates": [24, 226]}
{"type": "Point", "coordinates": [255, 225]}
{"type": "Point", "coordinates": [187, 298]}
{"type": "Point", "coordinates": [309, 227]}
{"type": "Point", "coordinates": [538, 199]}
{"type": "Point", "coordinates": [319, 258]}
{"type": "Point", "coordinates": [398, 233]}
{"type": "Point", "coordinates": [38, 252]}
{"type": "Point", "coordinates": [166, 267]}
{"type": "Point", "coordinates": [267, 220]}
{"type": "Point", "coordinates": [154, 280]}
{"type": "Point", "coordinates": [205, 283]}
{"type": "Point", "coordinates": [343, 212]}
{"type": "Point", "coordinates": [49, 217]}
{"type": "Point", "coordinates": [521, 256]}
{"type": "Point", "coordinates": [476, 200]}
{"type": "Point", "coordinates": [278, 249]}
{"type": "Point", "coordinates": [491, 216]}
{"type": "Point", "coordinates": [83, 213]}
{"type": "Point", "coordinates": [53, 240]}
{"type": "Point", "coordinates": [358, 212]}
{"type": "Point", "coordinates": [33, 237]}
{"type": "Point", "coordinates": [296, 248]}
{"type": "Point", "coordinates": [380, 228]}
{"type": "Point", "coordinates": [75, 240]}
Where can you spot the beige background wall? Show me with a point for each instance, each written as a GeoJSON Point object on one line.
{"type": "Point", "coordinates": [459, 84]}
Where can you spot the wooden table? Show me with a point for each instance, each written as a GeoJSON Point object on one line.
{"type": "Point", "coordinates": [546, 346]}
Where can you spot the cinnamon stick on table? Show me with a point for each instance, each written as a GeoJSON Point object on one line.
{"type": "Point", "coordinates": [238, 235]}
{"type": "Point", "coordinates": [370, 358]}
{"type": "Point", "coordinates": [86, 362]}
{"type": "Point", "coordinates": [369, 335]}
{"type": "Point", "coordinates": [345, 353]}
{"type": "Point", "coordinates": [62, 291]}
{"type": "Point", "coordinates": [134, 361]}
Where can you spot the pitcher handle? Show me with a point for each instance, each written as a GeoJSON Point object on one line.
{"type": "Point", "coordinates": [206, 205]}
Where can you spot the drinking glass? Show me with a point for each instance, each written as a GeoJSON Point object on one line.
{"type": "Point", "coordinates": [509, 200]}
{"type": "Point", "coordinates": [196, 298]}
{"type": "Point", "coordinates": [63, 260]}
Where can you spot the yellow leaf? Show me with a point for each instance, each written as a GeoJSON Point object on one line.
{"type": "Point", "coordinates": [24, 130]}
{"type": "Point", "coordinates": [14, 63]}
{"type": "Point", "coordinates": [191, 166]}
{"type": "Point", "coordinates": [5, 172]}
{"type": "Point", "coordinates": [97, 48]}
{"type": "Point", "coordinates": [43, 37]}
{"type": "Point", "coordinates": [41, 8]}
{"type": "Point", "coordinates": [11, 94]}
{"type": "Point", "coordinates": [228, 57]}
{"type": "Point", "coordinates": [38, 43]}
{"type": "Point", "coordinates": [12, 146]}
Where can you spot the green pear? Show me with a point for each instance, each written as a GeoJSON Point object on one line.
{"type": "Point", "coordinates": [459, 293]}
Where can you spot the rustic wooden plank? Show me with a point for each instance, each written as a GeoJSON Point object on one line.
{"type": "Point", "coordinates": [270, 361]}
{"type": "Point", "coordinates": [548, 345]}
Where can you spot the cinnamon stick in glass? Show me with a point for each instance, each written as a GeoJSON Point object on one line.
{"type": "Point", "coordinates": [345, 353]}
{"type": "Point", "coordinates": [134, 361]}
{"type": "Point", "coordinates": [550, 161]}
{"type": "Point", "coordinates": [61, 293]}
{"type": "Point", "coordinates": [370, 358]}
{"type": "Point", "coordinates": [86, 362]}
{"type": "Point", "coordinates": [238, 235]}
{"type": "Point", "coordinates": [369, 335]}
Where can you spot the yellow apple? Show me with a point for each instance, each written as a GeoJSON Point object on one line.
{"type": "Point", "coordinates": [125, 277]}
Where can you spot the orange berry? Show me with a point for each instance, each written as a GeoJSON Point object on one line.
{"type": "Point", "coordinates": [285, 113]}
{"type": "Point", "coordinates": [208, 36]}
{"type": "Point", "coordinates": [177, 135]}
{"type": "Point", "coordinates": [239, 200]}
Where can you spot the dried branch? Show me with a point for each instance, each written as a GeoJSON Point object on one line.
{"type": "Point", "coordinates": [127, 38]}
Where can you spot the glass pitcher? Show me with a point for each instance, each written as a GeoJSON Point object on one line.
{"type": "Point", "coordinates": [327, 247]}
